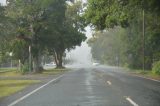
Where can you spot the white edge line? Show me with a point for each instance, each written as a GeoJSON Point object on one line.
{"type": "Point", "coordinates": [146, 78]}
{"type": "Point", "coordinates": [27, 95]}
{"type": "Point", "coordinates": [131, 101]}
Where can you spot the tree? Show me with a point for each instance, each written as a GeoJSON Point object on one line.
{"type": "Point", "coordinates": [62, 32]}
{"type": "Point", "coordinates": [109, 13]}
{"type": "Point", "coordinates": [105, 14]}
{"type": "Point", "coordinates": [29, 17]}
{"type": "Point", "coordinates": [5, 34]}
{"type": "Point", "coordinates": [43, 25]}
{"type": "Point", "coordinates": [108, 47]}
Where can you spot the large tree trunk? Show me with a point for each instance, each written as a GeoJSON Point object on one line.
{"type": "Point", "coordinates": [58, 59]}
{"type": "Point", "coordinates": [37, 67]}
{"type": "Point", "coordinates": [55, 58]}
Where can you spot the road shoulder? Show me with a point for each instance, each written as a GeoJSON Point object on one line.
{"type": "Point", "coordinates": [143, 74]}
{"type": "Point", "coordinates": [43, 78]}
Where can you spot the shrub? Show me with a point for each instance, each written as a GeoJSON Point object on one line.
{"type": "Point", "coordinates": [25, 68]}
{"type": "Point", "coordinates": [156, 68]}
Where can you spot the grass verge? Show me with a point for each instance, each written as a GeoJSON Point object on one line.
{"type": "Point", "coordinates": [7, 69]}
{"type": "Point", "coordinates": [8, 87]}
{"type": "Point", "coordinates": [15, 73]}
{"type": "Point", "coordinates": [54, 71]}
{"type": "Point", "coordinates": [147, 73]}
{"type": "Point", "coordinates": [10, 74]}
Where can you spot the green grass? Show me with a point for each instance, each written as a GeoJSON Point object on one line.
{"type": "Point", "coordinates": [10, 74]}
{"type": "Point", "coordinates": [8, 87]}
{"type": "Point", "coordinates": [146, 73]}
{"type": "Point", "coordinates": [15, 73]}
{"type": "Point", "coordinates": [54, 71]}
{"type": "Point", "coordinates": [7, 69]}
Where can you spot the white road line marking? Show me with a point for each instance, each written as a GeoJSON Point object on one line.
{"type": "Point", "coordinates": [131, 101]}
{"type": "Point", "coordinates": [29, 94]}
{"type": "Point", "coordinates": [109, 83]}
{"type": "Point", "coordinates": [146, 78]}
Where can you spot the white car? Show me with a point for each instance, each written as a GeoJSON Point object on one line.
{"type": "Point", "coordinates": [95, 64]}
{"type": "Point", "coordinates": [50, 64]}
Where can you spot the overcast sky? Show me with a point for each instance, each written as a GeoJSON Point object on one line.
{"type": "Point", "coordinates": [3, 1]}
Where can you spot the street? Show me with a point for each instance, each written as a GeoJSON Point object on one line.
{"type": "Point", "coordinates": [99, 86]}
{"type": "Point", "coordinates": [79, 52]}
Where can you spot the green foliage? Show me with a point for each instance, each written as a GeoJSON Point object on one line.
{"type": "Point", "coordinates": [25, 68]}
{"type": "Point", "coordinates": [109, 13]}
{"type": "Point", "coordinates": [156, 68]}
{"type": "Point", "coordinates": [20, 50]}
{"type": "Point", "coordinates": [111, 49]}
{"type": "Point", "coordinates": [5, 34]}
{"type": "Point", "coordinates": [63, 32]}
{"type": "Point", "coordinates": [51, 25]}
{"type": "Point", "coordinates": [105, 14]}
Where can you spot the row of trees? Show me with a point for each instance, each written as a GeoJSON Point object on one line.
{"type": "Point", "coordinates": [32, 28]}
{"type": "Point", "coordinates": [136, 40]}
{"type": "Point", "coordinates": [109, 47]}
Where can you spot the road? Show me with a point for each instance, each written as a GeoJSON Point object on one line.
{"type": "Point", "coordinates": [101, 86]}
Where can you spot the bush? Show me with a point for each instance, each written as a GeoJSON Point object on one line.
{"type": "Point", "coordinates": [25, 68]}
{"type": "Point", "coordinates": [156, 68]}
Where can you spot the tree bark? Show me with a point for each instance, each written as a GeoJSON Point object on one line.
{"type": "Point", "coordinates": [58, 59]}
{"type": "Point", "coordinates": [55, 58]}
{"type": "Point", "coordinates": [37, 68]}
{"type": "Point", "coordinates": [35, 65]}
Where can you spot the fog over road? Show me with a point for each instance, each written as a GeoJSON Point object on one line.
{"type": "Point", "coordinates": [96, 86]}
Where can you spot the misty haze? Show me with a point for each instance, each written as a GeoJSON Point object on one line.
{"type": "Point", "coordinates": [81, 55]}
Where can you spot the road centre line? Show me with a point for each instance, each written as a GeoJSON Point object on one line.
{"type": "Point", "coordinates": [109, 83]}
{"type": "Point", "coordinates": [34, 91]}
{"type": "Point", "coordinates": [131, 101]}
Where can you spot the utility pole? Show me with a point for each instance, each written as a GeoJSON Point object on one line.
{"type": "Point", "coordinates": [11, 54]}
{"type": "Point", "coordinates": [30, 60]}
{"type": "Point", "coordinates": [19, 64]}
{"type": "Point", "coordinates": [143, 41]}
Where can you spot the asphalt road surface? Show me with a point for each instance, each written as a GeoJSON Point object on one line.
{"type": "Point", "coordinates": [99, 86]}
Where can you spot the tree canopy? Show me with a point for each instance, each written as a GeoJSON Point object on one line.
{"type": "Point", "coordinates": [42, 25]}
{"type": "Point", "coordinates": [109, 13]}
{"type": "Point", "coordinates": [140, 20]}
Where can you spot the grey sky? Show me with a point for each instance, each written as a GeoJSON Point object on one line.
{"type": "Point", "coordinates": [82, 54]}
{"type": "Point", "coordinates": [2, 1]}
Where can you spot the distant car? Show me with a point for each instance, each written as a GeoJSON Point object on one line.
{"type": "Point", "coordinates": [95, 64]}
{"type": "Point", "coordinates": [50, 64]}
